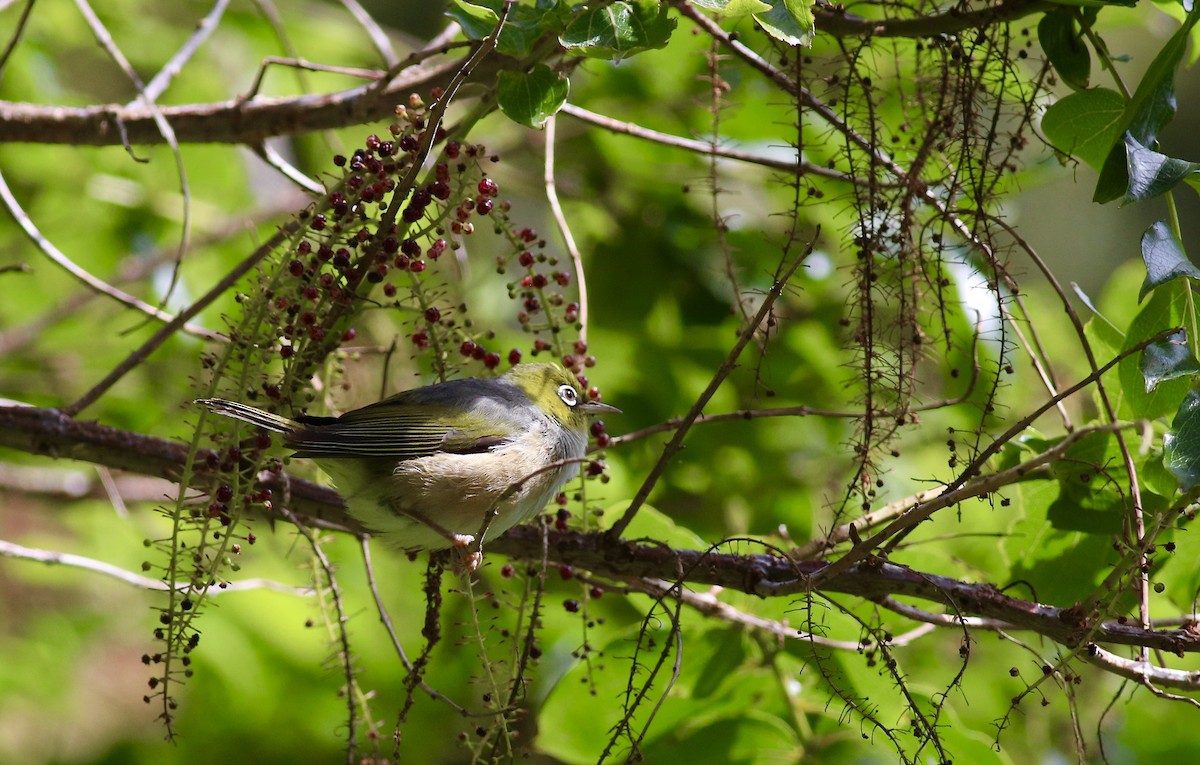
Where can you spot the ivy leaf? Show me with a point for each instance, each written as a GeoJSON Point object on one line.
{"type": "Point", "coordinates": [1148, 111]}
{"type": "Point", "coordinates": [1181, 446]}
{"type": "Point", "coordinates": [531, 98]}
{"type": "Point", "coordinates": [618, 30]}
{"type": "Point", "coordinates": [1151, 173]}
{"type": "Point", "coordinates": [1085, 124]}
{"type": "Point", "coordinates": [1065, 48]}
{"type": "Point", "coordinates": [1164, 258]}
{"type": "Point", "coordinates": [789, 21]}
{"type": "Point", "coordinates": [1167, 360]}
{"type": "Point", "coordinates": [1164, 310]}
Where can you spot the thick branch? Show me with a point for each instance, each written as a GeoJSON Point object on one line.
{"type": "Point", "coordinates": [54, 434]}
{"type": "Point", "coordinates": [233, 121]}
{"type": "Point", "coordinates": [49, 432]}
{"type": "Point", "coordinates": [836, 21]}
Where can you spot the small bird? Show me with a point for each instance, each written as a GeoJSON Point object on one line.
{"type": "Point", "coordinates": [423, 468]}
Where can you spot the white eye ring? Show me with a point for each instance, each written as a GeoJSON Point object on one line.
{"type": "Point", "coordinates": [568, 395]}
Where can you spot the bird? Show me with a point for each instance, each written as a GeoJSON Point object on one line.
{"type": "Point", "coordinates": [425, 469]}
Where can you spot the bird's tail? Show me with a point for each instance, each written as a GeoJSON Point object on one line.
{"type": "Point", "coordinates": [272, 422]}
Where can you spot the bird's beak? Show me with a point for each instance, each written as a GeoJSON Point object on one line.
{"type": "Point", "coordinates": [597, 407]}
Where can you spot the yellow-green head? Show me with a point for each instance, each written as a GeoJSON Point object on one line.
{"type": "Point", "coordinates": [556, 393]}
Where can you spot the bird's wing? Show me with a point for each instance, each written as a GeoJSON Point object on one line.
{"type": "Point", "coordinates": [402, 427]}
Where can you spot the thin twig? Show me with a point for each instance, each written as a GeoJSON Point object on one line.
{"type": "Point", "coordinates": [864, 548]}
{"type": "Point", "coordinates": [163, 126]}
{"type": "Point", "coordinates": [161, 81]}
{"type": "Point", "coordinates": [87, 278]}
{"type": "Point", "coordinates": [386, 619]}
{"type": "Point", "coordinates": [343, 635]}
{"type": "Point", "coordinates": [56, 558]}
{"type": "Point", "coordinates": [708, 604]}
{"type": "Point", "coordinates": [564, 229]}
{"type": "Point", "coordinates": [16, 36]}
{"type": "Point", "coordinates": [798, 167]}
{"type": "Point", "coordinates": [267, 153]}
{"type": "Point", "coordinates": [148, 347]}
{"type": "Point", "coordinates": [676, 442]}
{"type": "Point", "coordinates": [378, 37]}
{"type": "Point", "coordinates": [372, 75]}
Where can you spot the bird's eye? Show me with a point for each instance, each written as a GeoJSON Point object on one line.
{"type": "Point", "coordinates": [568, 395]}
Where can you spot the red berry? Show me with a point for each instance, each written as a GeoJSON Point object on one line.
{"type": "Point", "coordinates": [488, 187]}
{"type": "Point", "coordinates": [525, 259]}
{"type": "Point", "coordinates": [491, 360]}
{"type": "Point", "coordinates": [433, 315]}
{"type": "Point", "coordinates": [507, 571]}
{"type": "Point", "coordinates": [566, 572]}
{"type": "Point", "coordinates": [467, 348]}
{"type": "Point", "coordinates": [514, 357]}
{"type": "Point", "coordinates": [572, 606]}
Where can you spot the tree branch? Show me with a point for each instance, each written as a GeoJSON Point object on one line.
{"type": "Point", "coordinates": [232, 121]}
{"type": "Point", "coordinates": [49, 432]}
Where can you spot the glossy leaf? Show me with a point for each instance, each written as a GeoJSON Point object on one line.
{"type": "Point", "coordinates": [531, 98]}
{"type": "Point", "coordinates": [1168, 359]}
{"type": "Point", "coordinates": [1165, 309]}
{"type": "Point", "coordinates": [619, 30]}
{"type": "Point", "coordinates": [1148, 111]}
{"type": "Point", "coordinates": [1063, 43]}
{"type": "Point", "coordinates": [1151, 173]}
{"type": "Point", "coordinates": [1181, 447]}
{"type": "Point", "coordinates": [1164, 258]}
{"type": "Point", "coordinates": [1085, 124]}
{"type": "Point", "coordinates": [789, 21]}
{"type": "Point", "coordinates": [522, 29]}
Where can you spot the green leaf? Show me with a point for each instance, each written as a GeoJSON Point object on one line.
{"type": "Point", "coordinates": [618, 30]}
{"type": "Point", "coordinates": [789, 21]}
{"type": "Point", "coordinates": [1151, 173]}
{"type": "Point", "coordinates": [1181, 447]}
{"type": "Point", "coordinates": [737, 8]}
{"type": "Point", "coordinates": [1148, 111]}
{"type": "Point", "coordinates": [1064, 47]}
{"type": "Point", "coordinates": [1089, 498]}
{"type": "Point", "coordinates": [1165, 309]}
{"type": "Point", "coordinates": [532, 98]}
{"type": "Point", "coordinates": [728, 654]}
{"type": "Point", "coordinates": [1164, 258]}
{"type": "Point", "coordinates": [1085, 124]}
{"type": "Point", "coordinates": [750, 738]}
{"type": "Point", "coordinates": [525, 24]}
{"type": "Point", "coordinates": [1168, 359]}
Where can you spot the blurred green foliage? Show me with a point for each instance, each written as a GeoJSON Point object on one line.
{"type": "Point", "coordinates": [663, 317]}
